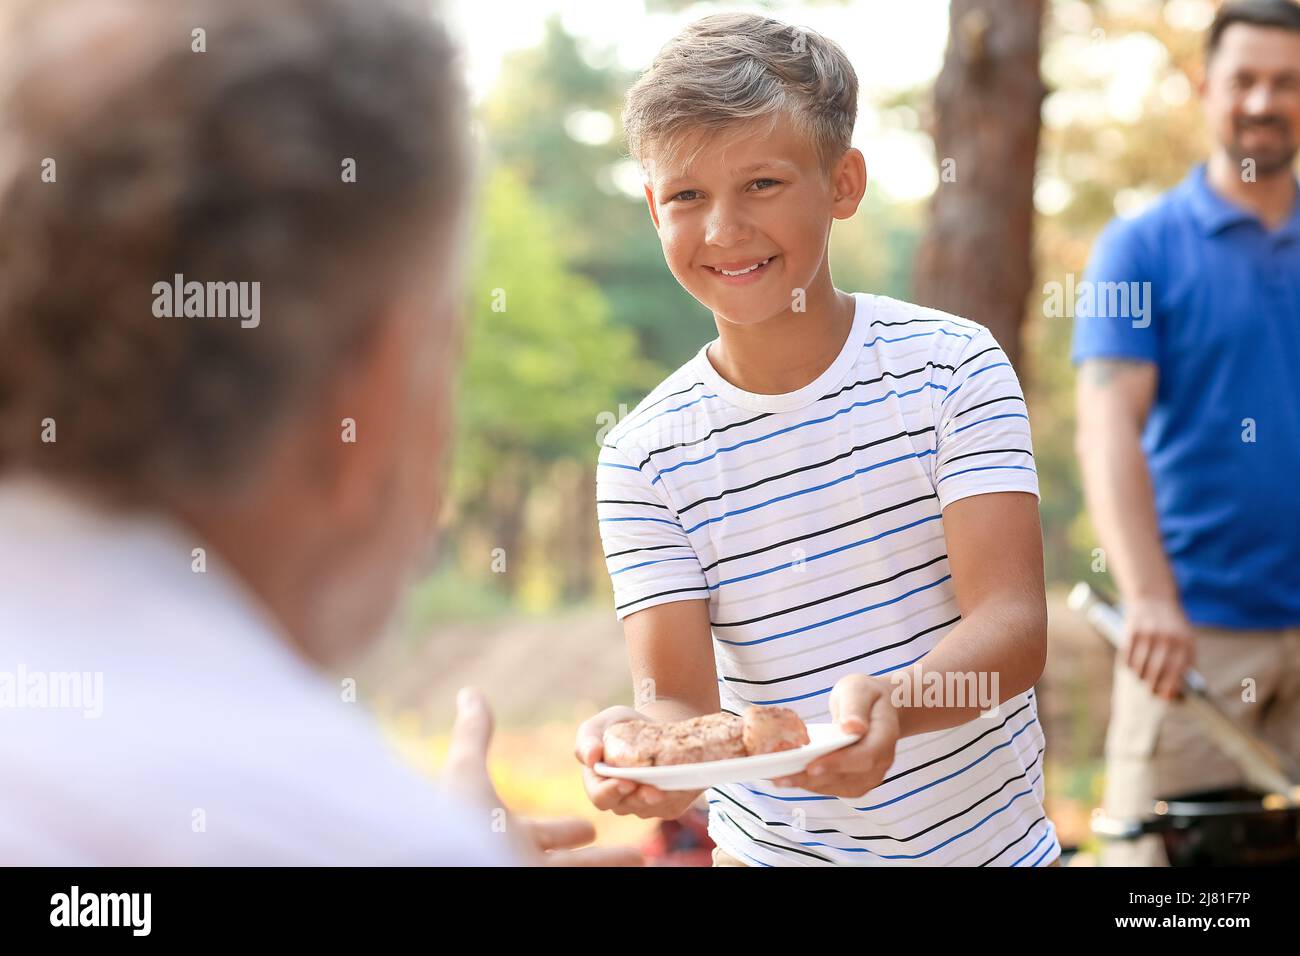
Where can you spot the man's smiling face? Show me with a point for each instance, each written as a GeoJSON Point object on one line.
{"type": "Point", "coordinates": [1252, 96]}
{"type": "Point", "coordinates": [744, 216]}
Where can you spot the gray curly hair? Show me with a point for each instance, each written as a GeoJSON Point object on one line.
{"type": "Point", "coordinates": [224, 164]}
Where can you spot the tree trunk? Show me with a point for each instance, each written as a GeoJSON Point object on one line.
{"type": "Point", "coordinates": [976, 258]}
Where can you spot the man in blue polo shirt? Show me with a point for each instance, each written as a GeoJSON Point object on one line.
{"type": "Point", "coordinates": [1187, 335]}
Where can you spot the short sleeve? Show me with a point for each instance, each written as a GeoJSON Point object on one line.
{"type": "Point", "coordinates": [649, 557]}
{"type": "Point", "coordinates": [982, 427]}
{"type": "Point", "coordinates": [1114, 307]}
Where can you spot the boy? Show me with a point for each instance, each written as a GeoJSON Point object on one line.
{"type": "Point", "coordinates": [832, 505]}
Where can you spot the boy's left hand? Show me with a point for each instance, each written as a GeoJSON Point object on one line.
{"type": "Point", "coordinates": [860, 705]}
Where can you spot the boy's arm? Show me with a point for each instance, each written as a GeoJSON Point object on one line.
{"type": "Point", "coordinates": [995, 551]}
{"type": "Point", "coordinates": [988, 492]}
{"type": "Point", "coordinates": [984, 476]}
{"type": "Point", "coordinates": [661, 596]}
{"type": "Point", "coordinates": [670, 655]}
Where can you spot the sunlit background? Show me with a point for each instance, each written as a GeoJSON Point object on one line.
{"type": "Point", "coordinates": [520, 604]}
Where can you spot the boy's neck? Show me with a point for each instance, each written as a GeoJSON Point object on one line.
{"type": "Point", "coordinates": [787, 351]}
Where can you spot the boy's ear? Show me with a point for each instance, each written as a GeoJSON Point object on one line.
{"type": "Point", "coordinates": [849, 182]}
{"type": "Point", "coordinates": [650, 201]}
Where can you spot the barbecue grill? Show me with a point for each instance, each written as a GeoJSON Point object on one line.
{"type": "Point", "coordinates": [1257, 824]}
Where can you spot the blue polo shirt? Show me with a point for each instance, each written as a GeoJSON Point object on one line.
{"type": "Point", "coordinates": [1222, 325]}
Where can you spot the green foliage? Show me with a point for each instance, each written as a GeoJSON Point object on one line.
{"type": "Point", "coordinates": [542, 359]}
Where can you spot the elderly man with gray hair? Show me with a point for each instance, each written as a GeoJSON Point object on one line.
{"type": "Point", "coordinates": [208, 501]}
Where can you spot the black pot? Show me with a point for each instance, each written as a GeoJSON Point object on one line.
{"type": "Point", "coordinates": [1217, 828]}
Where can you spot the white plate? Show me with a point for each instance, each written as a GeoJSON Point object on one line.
{"type": "Point", "coordinates": [822, 739]}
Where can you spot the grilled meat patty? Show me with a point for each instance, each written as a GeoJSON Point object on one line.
{"type": "Point", "coordinates": [641, 743]}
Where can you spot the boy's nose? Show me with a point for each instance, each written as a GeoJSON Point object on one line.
{"type": "Point", "coordinates": [724, 228]}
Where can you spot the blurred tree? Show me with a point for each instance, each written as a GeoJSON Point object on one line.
{"type": "Point", "coordinates": [555, 117]}
{"type": "Point", "coordinates": [542, 363]}
{"type": "Point", "coordinates": [975, 260]}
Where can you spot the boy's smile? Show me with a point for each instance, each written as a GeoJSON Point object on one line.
{"type": "Point", "coordinates": [738, 274]}
{"type": "Point", "coordinates": [744, 216]}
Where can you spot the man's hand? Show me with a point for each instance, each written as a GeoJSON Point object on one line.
{"type": "Point", "coordinates": [1158, 645]}
{"type": "Point", "coordinates": [860, 705]}
{"type": "Point", "coordinates": [623, 796]}
{"type": "Point", "coordinates": [539, 842]}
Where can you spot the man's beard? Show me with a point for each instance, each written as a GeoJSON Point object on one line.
{"type": "Point", "coordinates": [1269, 161]}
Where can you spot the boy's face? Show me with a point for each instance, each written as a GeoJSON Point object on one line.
{"type": "Point", "coordinates": [756, 202]}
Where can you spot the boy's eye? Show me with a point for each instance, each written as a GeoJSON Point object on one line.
{"type": "Point", "coordinates": [686, 195]}
{"type": "Point", "coordinates": [761, 184]}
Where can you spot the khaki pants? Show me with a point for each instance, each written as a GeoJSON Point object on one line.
{"type": "Point", "coordinates": [722, 858]}
{"type": "Point", "coordinates": [1154, 749]}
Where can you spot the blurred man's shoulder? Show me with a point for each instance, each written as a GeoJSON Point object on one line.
{"type": "Point", "coordinates": [1145, 225]}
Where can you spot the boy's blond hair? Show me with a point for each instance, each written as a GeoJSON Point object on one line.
{"type": "Point", "coordinates": [732, 67]}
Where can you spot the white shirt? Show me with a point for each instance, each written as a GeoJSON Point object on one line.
{"type": "Point", "coordinates": [210, 740]}
{"type": "Point", "coordinates": [812, 523]}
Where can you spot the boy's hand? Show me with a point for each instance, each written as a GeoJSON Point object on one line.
{"type": "Point", "coordinates": [623, 796]}
{"type": "Point", "coordinates": [860, 705]}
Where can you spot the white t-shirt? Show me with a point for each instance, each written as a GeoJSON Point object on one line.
{"type": "Point", "coordinates": [152, 715]}
{"type": "Point", "coordinates": [811, 521]}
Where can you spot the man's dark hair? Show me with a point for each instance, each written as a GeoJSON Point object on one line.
{"type": "Point", "coordinates": [225, 164]}
{"type": "Point", "coordinates": [1278, 14]}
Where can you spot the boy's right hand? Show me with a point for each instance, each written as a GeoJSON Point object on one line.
{"type": "Point", "coordinates": [623, 796]}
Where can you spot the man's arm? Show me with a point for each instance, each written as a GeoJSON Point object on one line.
{"type": "Point", "coordinates": [1114, 397]}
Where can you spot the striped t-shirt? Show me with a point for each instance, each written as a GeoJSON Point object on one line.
{"type": "Point", "coordinates": [811, 522]}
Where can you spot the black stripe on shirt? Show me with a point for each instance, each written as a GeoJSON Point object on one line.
{"type": "Point", "coordinates": [657, 401]}
{"type": "Point", "coordinates": [775, 846]}
{"type": "Point", "coordinates": [647, 597]}
{"type": "Point", "coordinates": [653, 547]}
{"type": "Point", "coordinates": [991, 401]}
{"type": "Point", "coordinates": [1014, 842]}
{"type": "Point", "coordinates": [966, 746]}
{"type": "Point", "coordinates": [831, 597]}
{"type": "Point", "coordinates": [749, 421]}
{"type": "Point", "coordinates": [847, 660]}
{"type": "Point", "coordinates": [814, 534]}
{"type": "Point", "coordinates": [991, 348]}
{"type": "Point", "coordinates": [817, 464]}
{"type": "Point", "coordinates": [863, 838]}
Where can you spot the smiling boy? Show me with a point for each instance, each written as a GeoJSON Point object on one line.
{"type": "Point", "coordinates": [836, 492]}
